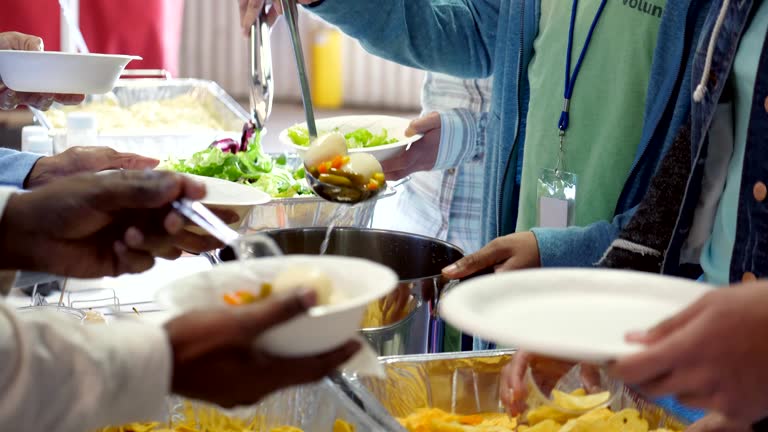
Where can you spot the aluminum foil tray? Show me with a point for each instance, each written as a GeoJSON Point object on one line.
{"type": "Point", "coordinates": [304, 212]}
{"type": "Point", "coordinates": [464, 383]}
{"type": "Point", "coordinates": [468, 383]}
{"type": "Point", "coordinates": [165, 143]}
{"type": "Point", "coordinates": [313, 408]}
{"type": "Point", "coordinates": [309, 211]}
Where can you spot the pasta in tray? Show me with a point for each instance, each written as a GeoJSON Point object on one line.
{"type": "Point", "coordinates": [184, 113]}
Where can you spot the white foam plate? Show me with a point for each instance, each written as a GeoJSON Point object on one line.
{"type": "Point", "coordinates": [322, 329]}
{"type": "Point", "coordinates": [575, 314]}
{"type": "Point", "coordinates": [224, 193]}
{"type": "Point", "coordinates": [57, 72]}
{"type": "Point", "coordinates": [395, 127]}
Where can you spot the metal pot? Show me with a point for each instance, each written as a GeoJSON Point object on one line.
{"type": "Point", "coordinates": [406, 321]}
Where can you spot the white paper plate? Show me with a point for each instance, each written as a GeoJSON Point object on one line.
{"type": "Point", "coordinates": [224, 193]}
{"type": "Point", "coordinates": [57, 72]}
{"type": "Point", "coordinates": [395, 127]}
{"type": "Point", "coordinates": [323, 328]}
{"type": "Point", "coordinates": [576, 314]}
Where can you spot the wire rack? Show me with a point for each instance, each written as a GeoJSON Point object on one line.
{"type": "Point", "coordinates": [102, 300]}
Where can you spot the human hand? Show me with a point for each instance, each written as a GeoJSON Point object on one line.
{"type": "Point", "coordinates": [422, 155]}
{"type": "Point", "coordinates": [95, 225]}
{"type": "Point", "coordinates": [716, 422]}
{"type": "Point", "coordinates": [712, 355]}
{"type": "Point", "coordinates": [214, 358]}
{"type": "Point", "coordinates": [10, 99]}
{"type": "Point", "coordinates": [513, 252]}
{"type": "Point", "coordinates": [77, 160]}
{"type": "Point", "coordinates": [251, 9]}
{"type": "Point", "coordinates": [546, 373]}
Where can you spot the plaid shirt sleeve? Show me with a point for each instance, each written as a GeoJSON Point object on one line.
{"type": "Point", "coordinates": [446, 203]}
{"type": "Point", "coordinates": [461, 138]}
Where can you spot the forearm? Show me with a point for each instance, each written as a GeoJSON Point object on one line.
{"type": "Point", "coordinates": [462, 137]}
{"type": "Point", "coordinates": [15, 167]}
{"type": "Point", "coordinates": [58, 374]}
{"type": "Point", "coordinates": [17, 243]}
{"type": "Point", "coordinates": [455, 37]}
{"type": "Point", "coordinates": [578, 246]}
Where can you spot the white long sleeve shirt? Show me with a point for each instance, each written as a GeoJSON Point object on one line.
{"type": "Point", "coordinates": [58, 375]}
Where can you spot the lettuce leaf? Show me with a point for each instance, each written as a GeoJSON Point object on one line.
{"type": "Point", "coordinates": [360, 138]}
{"type": "Point", "coordinates": [252, 166]}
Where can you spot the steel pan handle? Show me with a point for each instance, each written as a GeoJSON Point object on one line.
{"type": "Point", "coordinates": [453, 283]}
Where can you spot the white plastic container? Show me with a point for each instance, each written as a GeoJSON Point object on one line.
{"type": "Point", "coordinates": [36, 139]}
{"type": "Point", "coordinates": [38, 144]}
{"type": "Point", "coordinates": [82, 130]}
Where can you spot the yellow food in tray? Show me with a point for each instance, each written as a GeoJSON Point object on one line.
{"type": "Point", "coordinates": [182, 113]}
{"type": "Point", "coordinates": [209, 419]}
{"type": "Point", "coordinates": [599, 420]}
{"type": "Point", "coordinates": [436, 420]}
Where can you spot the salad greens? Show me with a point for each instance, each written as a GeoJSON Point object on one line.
{"type": "Point", "coordinates": [360, 138]}
{"type": "Point", "coordinates": [252, 166]}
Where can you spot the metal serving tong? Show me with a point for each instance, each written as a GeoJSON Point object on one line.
{"type": "Point", "coordinates": [262, 82]}
{"type": "Point", "coordinates": [357, 394]}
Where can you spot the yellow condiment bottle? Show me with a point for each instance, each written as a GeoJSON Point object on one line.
{"type": "Point", "coordinates": [327, 79]}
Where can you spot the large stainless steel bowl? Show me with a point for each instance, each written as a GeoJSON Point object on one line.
{"type": "Point", "coordinates": [405, 322]}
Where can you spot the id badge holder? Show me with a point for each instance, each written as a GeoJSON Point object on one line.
{"type": "Point", "coordinates": [556, 199]}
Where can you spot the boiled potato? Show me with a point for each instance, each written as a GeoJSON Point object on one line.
{"type": "Point", "coordinates": [314, 279]}
{"type": "Point", "coordinates": [364, 165]}
{"type": "Point", "coordinates": [325, 149]}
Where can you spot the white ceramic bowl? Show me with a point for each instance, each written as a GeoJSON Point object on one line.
{"type": "Point", "coordinates": [57, 72]}
{"type": "Point", "coordinates": [395, 127]}
{"type": "Point", "coordinates": [322, 329]}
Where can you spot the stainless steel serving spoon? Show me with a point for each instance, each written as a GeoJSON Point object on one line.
{"type": "Point", "coordinates": [327, 191]}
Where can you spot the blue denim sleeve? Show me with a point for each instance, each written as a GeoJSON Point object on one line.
{"type": "Point", "coordinates": [456, 37]}
{"type": "Point", "coordinates": [15, 166]}
{"type": "Point", "coordinates": [579, 246]}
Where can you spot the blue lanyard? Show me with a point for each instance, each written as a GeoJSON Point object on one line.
{"type": "Point", "coordinates": [570, 79]}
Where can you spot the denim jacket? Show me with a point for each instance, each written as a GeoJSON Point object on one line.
{"type": "Point", "coordinates": [477, 38]}
{"type": "Point", "coordinates": [658, 237]}
{"type": "Point", "coordinates": [750, 254]}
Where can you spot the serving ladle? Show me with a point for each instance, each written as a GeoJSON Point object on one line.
{"type": "Point", "coordinates": [330, 192]}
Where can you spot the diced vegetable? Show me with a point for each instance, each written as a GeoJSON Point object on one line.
{"type": "Point", "coordinates": [334, 179]}
{"type": "Point", "coordinates": [372, 185]}
{"type": "Point", "coordinates": [240, 298]}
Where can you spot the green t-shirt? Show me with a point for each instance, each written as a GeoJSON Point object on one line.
{"type": "Point", "coordinates": [607, 106]}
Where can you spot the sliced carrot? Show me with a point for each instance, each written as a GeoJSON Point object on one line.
{"type": "Point", "coordinates": [337, 162]}
{"type": "Point", "coordinates": [232, 299]}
